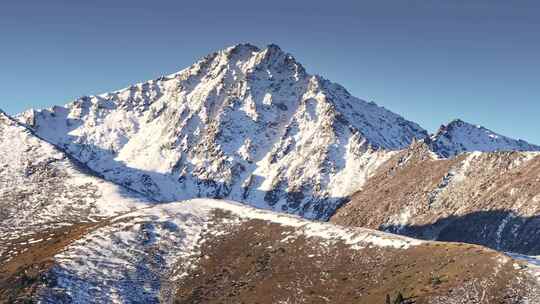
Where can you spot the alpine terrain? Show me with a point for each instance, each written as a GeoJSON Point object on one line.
{"type": "Point", "coordinates": [216, 184]}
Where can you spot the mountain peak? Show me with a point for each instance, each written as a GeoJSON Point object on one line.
{"type": "Point", "coordinates": [245, 48]}
{"type": "Point", "coordinates": [459, 136]}
{"type": "Point", "coordinates": [6, 118]}
{"type": "Point", "coordinates": [242, 123]}
{"type": "Point", "coordinates": [456, 121]}
{"type": "Point", "coordinates": [459, 123]}
{"type": "Point", "coordinates": [245, 51]}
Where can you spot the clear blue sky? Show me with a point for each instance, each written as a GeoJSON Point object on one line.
{"type": "Point", "coordinates": [430, 61]}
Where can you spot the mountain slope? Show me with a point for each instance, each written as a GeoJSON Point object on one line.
{"type": "Point", "coordinates": [492, 199]}
{"type": "Point", "coordinates": [209, 251]}
{"type": "Point", "coordinates": [242, 123]}
{"type": "Point", "coordinates": [41, 188]}
{"type": "Point", "coordinates": [458, 137]}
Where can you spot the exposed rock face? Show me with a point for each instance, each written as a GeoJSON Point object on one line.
{"type": "Point", "coordinates": [458, 137]}
{"type": "Point", "coordinates": [243, 123]}
{"type": "Point", "coordinates": [491, 199]}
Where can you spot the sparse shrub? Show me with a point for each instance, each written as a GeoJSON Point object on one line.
{"type": "Point", "coordinates": [399, 299]}
{"type": "Point", "coordinates": [435, 280]}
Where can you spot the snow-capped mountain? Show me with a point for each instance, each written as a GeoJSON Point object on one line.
{"type": "Point", "coordinates": [243, 123]}
{"type": "Point", "coordinates": [459, 136]}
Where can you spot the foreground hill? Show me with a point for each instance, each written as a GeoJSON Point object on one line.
{"type": "Point", "coordinates": [208, 251]}
{"type": "Point", "coordinates": [492, 199]}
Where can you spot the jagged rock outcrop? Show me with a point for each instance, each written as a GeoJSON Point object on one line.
{"type": "Point", "coordinates": [242, 123]}
{"type": "Point", "coordinates": [491, 199]}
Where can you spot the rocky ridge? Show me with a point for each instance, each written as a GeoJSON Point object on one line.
{"type": "Point", "coordinates": [492, 199]}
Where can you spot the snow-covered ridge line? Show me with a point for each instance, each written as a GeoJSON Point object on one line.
{"type": "Point", "coordinates": [351, 236]}
{"type": "Point", "coordinates": [24, 128]}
